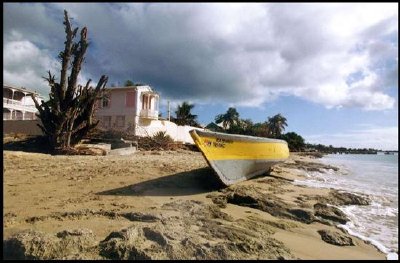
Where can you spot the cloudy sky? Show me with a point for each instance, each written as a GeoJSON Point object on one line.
{"type": "Point", "coordinates": [330, 69]}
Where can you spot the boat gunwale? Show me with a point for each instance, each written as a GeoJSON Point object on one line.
{"type": "Point", "coordinates": [237, 137]}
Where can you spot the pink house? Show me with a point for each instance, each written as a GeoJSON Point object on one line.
{"type": "Point", "coordinates": [135, 109]}
{"type": "Point", "coordinates": [126, 107]}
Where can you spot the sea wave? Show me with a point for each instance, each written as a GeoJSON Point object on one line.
{"type": "Point", "coordinates": [390, 255]}
{"type": "Point", "coordinates": [376, 223]}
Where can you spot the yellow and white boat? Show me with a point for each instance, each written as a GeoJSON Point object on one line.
{"type": "Point", "coordinates": [237, 158]}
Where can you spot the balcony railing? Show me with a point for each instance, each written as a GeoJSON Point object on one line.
{"type": "Point", "coordinates": [18, 116]}
{"type": "Point", "coordinates": [149, 114]}
{"type": "Point", "coordinates": [18, 105]}
{"type": "Point", "coordinates": [11, 101]}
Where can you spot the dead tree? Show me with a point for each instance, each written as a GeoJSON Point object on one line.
{"type": "Point", "coordinates": [68, 114]}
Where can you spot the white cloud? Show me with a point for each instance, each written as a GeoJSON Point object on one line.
{"type": "Point", "coordinates": [371, 100]}
{"type": "Point", "coordinates": [25, 64]}
{"type": "Point", "coordinates": [352, 18]}
{"type": "Point", "coordinates": [383, 138]}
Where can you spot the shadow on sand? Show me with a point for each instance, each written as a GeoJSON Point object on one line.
{"type": "Point", "coordinates": [192, 182]}
{"type": "Point", "coordinates": [31, 144]}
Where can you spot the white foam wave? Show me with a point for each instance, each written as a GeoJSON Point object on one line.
{"type": "Point", "coordinates": [390, 255]}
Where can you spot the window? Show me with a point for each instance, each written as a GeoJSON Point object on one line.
{"type": "Point", "coordinates": [120, 121]}
{"type": "Point", "coordinates": [106, 102]}
{"type": "Point", "coordinates": [131, 99]}
{"type": "Point", "coordinates": [106, 121]}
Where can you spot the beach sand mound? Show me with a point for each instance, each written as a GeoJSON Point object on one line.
{"type": "Point", "coordinates": [68, 244]}
{"type": "Point", "coordinates": [197, 231]}
{"type": "Point", "coordinates": [187, 230]}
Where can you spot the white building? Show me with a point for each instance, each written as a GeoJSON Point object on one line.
{"type": "Point", "coordinates": [18, 104]}
{"type": "Point", "coordinates": [135, 109]}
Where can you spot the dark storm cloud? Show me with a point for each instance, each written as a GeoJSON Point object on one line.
{"type": "Point", "coordinates": [236, 53]}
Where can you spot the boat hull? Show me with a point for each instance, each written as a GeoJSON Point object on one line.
{"type": "Point", "coordinates": [236, 158]}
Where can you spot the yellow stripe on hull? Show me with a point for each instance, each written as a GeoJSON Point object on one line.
{"type": "Point", "coordinates": [215, 148]}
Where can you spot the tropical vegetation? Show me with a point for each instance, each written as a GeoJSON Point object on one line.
{"type": "Point", "coordinates": [295, 142]}
{"type": "Point", "coordinates": [184, 115]}
{"type": "Point", "coordinates": [276, 125]}
{"type": "Point", "coordinates": [128, 83]}
{"type": "Point", "coordinates": [272, 128]}
{"type": "Point", "coordinates": [229, 119]}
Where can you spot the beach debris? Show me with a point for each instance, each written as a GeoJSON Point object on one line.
{"type": "Point", "coordinates": [90, 150]}
{"type": "Point", "coordinates": [123, 139]}
{"type": "Point", "coordinates": [79, 150]}
{"type": "Point", "coordinates": [335, 238]}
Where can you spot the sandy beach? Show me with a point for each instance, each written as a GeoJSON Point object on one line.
{"type": "Point", "coordinates": [169, 205]}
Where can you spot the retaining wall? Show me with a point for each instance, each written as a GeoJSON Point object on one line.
{"type": "Point", "coordinates": [28, 127]}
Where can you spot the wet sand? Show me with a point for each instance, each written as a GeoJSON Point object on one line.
{"type": "Point", "coordinates": [168, 205]}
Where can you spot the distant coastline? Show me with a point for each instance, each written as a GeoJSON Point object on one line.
{"type": "Point", "coordinates": [342, 150]}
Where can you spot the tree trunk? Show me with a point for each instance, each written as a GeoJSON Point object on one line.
{"type": "Point", "coordinates": [67, 116]}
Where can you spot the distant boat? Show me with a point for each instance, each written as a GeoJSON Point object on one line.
{"type": "Point", "coordinates": [236, 158]}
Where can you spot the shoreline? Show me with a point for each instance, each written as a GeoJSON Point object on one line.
{"type": "Point", "coordinates": [164, 205]}
{"type": "Point", "coordinates": [390, 252]}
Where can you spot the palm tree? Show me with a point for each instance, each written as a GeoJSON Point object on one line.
{"type": "Point", "coordinates": [128, 83]}
{"type": "Point", "coordinates": [230, 118]}
{"type": "Point", "coordinates": [247, 126]}
{"type": "Point", "coordinates": [244, 126]}
{"type": "Point", "coordinates": [276, 125]}
{"type": "Point", "coordinates": [261, 129]}
{"type": "Point", "coordinates": [184, 116]}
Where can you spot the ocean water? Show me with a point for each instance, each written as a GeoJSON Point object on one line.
{"type": "Point", "coordinates": [376, 176]}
